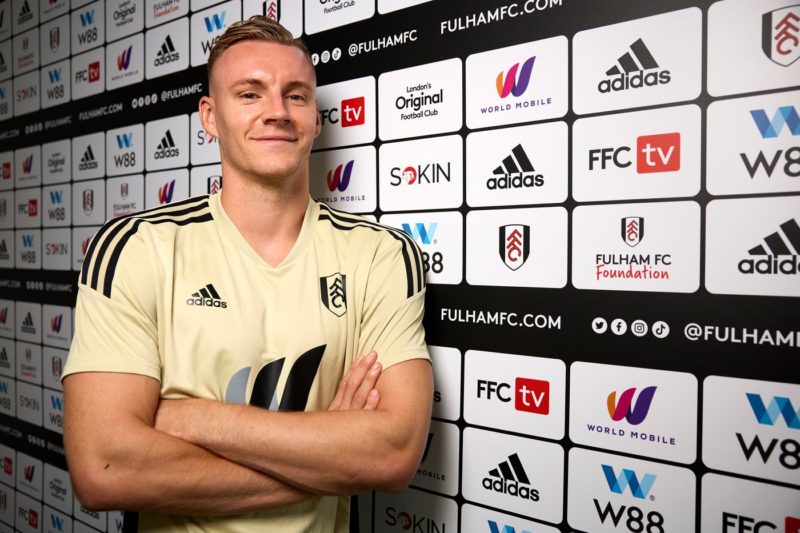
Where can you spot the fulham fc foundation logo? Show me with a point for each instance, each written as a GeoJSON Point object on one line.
{"type": "Point", "coordinates": [207, 297]}
{"type": "Point", "coordinates": [333, 293]}
{"type": "Point", "coordinates": [780, 35]}
{"type": "Point", "coordinates": [515, 245]}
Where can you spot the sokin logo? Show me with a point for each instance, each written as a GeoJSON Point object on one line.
{"type": "Point", "coordinates": [339, 178]}
{"type": "Point", "coordinates": [352, 113]}
{"type": "Point", "coordinates": [124, 59]}
{"type": "Point", "coordinates": [639, 266]}
{"type": "Point", "coordinates": [632, 230]}
{"type": "Point", "coordinates": [510, 478]}
{"type": "Point", "coordinates": [780, 259]}
{"type": "Point", "coordinates": [417, 101]}
{"type": "Point", "coordinates": [770, 414]}
{"type": "Point", "coordinates": [515, 172]}
{"type": "Point", "coordinates": [780, 35]}
{"type": "Point", "coordinates": [512, 84]}
{"type": "Point", "coordinates": [410, 520]}
{"type": "Point", "coordinates": [515, 244]}
{"type": "Point", "coordinates": [333, 293]}
{"type": "Point", "coordinates": [166, 148]}
{"type": "Point", "coordinates": [635, 69]}
{"type": "Point", "coordinates": [530, 395]}
{"type": "Point", "coordinates": [625, 408]}
{"type": "Point", "coordinates": [27, 324]}
{"type": "Point", "coordinates": [770, 129]}
{"type": "Point", "coordinates": [420, 174]}
{"type": "Point", "coordinates": [165, 192]}
{"type": "Point", "coordinates": [207, 297]}
{"type": "Point", "coordinates": [654, 153]}
{"type": "Point", "coordinates": [167, 53]}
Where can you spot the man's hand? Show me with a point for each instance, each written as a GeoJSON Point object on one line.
{"type": "Point", "coordinates": [357, 388]}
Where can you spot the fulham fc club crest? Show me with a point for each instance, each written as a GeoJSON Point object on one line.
{"type": "Point", "coordinates": [632, 230]}
{"type": "Point", "coordinates": [332, 291]}
{"type": "Point", "coordinates": [515, 245]}
{"type": "Point", "coordinates": [780, 35]}
{"type": "Point", "coordinates": [88, 201]}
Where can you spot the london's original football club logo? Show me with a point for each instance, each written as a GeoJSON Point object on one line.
{"type": "Point", "coordinates": [515, 245]}
{"type": "Point", "coordinates": [780, 35]}
{"type": "Point", "coordinates": [632, 230]}
{"type": "Point", "coordinates": [333, 293]}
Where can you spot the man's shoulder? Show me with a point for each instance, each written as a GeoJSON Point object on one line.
{"type": "Point", "coordinates": [361, 230]}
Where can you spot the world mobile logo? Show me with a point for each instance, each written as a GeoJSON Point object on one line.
{"type": "Point", "coordinates": [623, 410]}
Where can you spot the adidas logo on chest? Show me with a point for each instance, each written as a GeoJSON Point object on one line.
{"type": "Point", "coordinates": [206, 297]}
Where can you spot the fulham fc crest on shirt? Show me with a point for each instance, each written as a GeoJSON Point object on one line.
{"type": "Point", "coordinates": [332, 291]}
{"type": "Point", "coordinates": [515, 245]}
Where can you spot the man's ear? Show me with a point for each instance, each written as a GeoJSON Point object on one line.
{"type": "Point", "coordinates": [319, 125]}
{"type": "Point", "coordinates": [207, 118]}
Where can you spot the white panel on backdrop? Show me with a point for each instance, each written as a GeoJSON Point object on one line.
{"type": "Point", "coordinates": [88, 28]}
{"type": "Point", "coordinates": [209, 24]}
{"type": "Point", "coordinates": [323, 15]}
{"type": "Point", "coordinates": [163, 188]}
{"type": "Point", "coordinates": [167, 143]}
{"type": "Point", "coordinates": [161, 11]}
{"type": "Point", "coordinates": [53, 416]}
{"type": "Point", "coordinates": [89, 203]}
{"type": "Point", "coordinates": [167, 48]}
{"type": "Point", "coordinates": [645, 154]}
{"type": "Point", "coordinates": [81, 237]}
{"type": "Point", "coordinates": [517, 247]}
{"type": "Point", "coordinates": [8, 360]}
{"type": "Point", "coordinates": [125, 150]}
{"type": "Point", "coordinates": [57, 488]}
{"type": "Point", "coordinates": [438, 469]}
{"type": "Point", "coordinates": [88, 74]}
{"type": "Point", "coordinates": [6, 171]}
{"type": "Point", "coordinates": [93, 518]}
{"type": "Point", "coordinates": [7, 208]}
{"type": "Point", "coordinates": [6, 249]}
{"type": "Point", "coordinates": [28, 171]}
{"type": "Point", "coordinates": [422, 174]}
{"type": "Point", "coordinates": [6, 100]}
{"type": "Point", "coordinates": [123, 17]}
{"type": "Point", "coordinates": [440, 237]}
{"type": "Point", "coordinates": [57, 321]}
{"type": "Point", "coordinates": [29, 322]}
{"type": "Point", "coordinates": [57, 205]}
{"type": "Point", "coordinates": [344, 179]}
{"type": "Point", "coordinates": [25, 15]}
{"type": "Point", "coordinates": [26, 93]}
{"type": "Point", "coordinates": [52, 366]}
{"type": "Point", "coordinates": [290, 13]}
{"type": "Point", "coordinates": [30, 472]}
{"type": "Point", "coordinates": [446, 382]}
{"type": "Point", "coordinates": [7, 318]}
{"type": "Point", "coordinates": [740, 505]}
{"type": "Point", "coordinates": [197, 5]}
{"type": "Point", "coordinates": [752, 46]}
{"type": "Point", "coordinates": [125, 62]}
{"type": "Point", "coordinates": [29, 403]}
{"type": "Point", "coordinates": [56, 254]}
{"type": "Point", "coordinates": [751, 427]}
{"type": "Point", "coordinates": [5, 20]}
{"type": "Point", "coordinates": [29, 514]}
{"type": "Point", "coordinates": [55, 40]}
{"type": "Point", "coordinates": [514, 166]}
{"type": "Point", "coordinates": [29, 249]}
{"type": "Point", "coordinates": [26, 51]}
{"type": "Point", "coordinates": [56, 162]}
{"type": "Point", "coordinates": [29, 362]}
{"type": "Point", "coordinates": [56, 84]}
{"type": "Point", "coordinates": [474, 519]}
{"type": "Point", "coordinates": [124, 195]}
{"type": "Point", "coordinates": [421, 100]}
{"type": "Point", "coordinates": [638, 63]}
{"type": "Point", "coordinates": [516, 474]}
{"type": "Point", "coordinates": [521, 83]}
{"type": "Point", "coordinates": [605, 492]}
{"type": "Point", "coordinates": [347, 113]}
{"type": "Point", "coordinates": [88, 156]}
{"type": "Point", "coordinates": [49, 9]}
{"type": "Point", "coordinates": [205, 180]}
{"type": "Point", "coordinates": [753, 246]}
{"type": "Point", "coordinates": [519, 393]}
{"type": "Point", "coordinates": [417, 509]}
{"type": "Point", "coordinates": [661, 422]}
{"type": "Point", "coordinates": [8, 398]}
{"type": "Point", "coordinates": [387, 6]}
{"type": "Point", "coordinates": [6, 56]}
{"type": "Point", "coordinates": [28, 208]}
{"type": "Point", "coordinates": [637, 247]}
{"type": "Point", "coordinates": [752, 145]}
{"type": "Point", "coordinates": [205, 147]}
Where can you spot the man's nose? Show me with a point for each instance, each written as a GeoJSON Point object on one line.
{"type": "Point", "coordinates": [274, 109]}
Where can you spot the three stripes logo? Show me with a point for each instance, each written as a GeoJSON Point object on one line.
{"type": "Point", "coordinates": [632, 230]}
{"type": "Point", "coordinates": [780, 35]}
{"type": "Point", "coordinates": [512, 84]}
{"type": "Point", "coordinates": [779, 407]}
{"type": "Point", "coordinates": [27, 324]}
{"type": "Point", "coordinates": [124, 59]}
{"type": "Point", "coordinates": [166, 148]}
{"type": "Point", "coordinates": [88, 161]}
{"type": "Point", "coordinates": [25, 13]}
{"type": "Point", "coordinates": [783, 116]}
{"type": "Point", "coordinates": [333, 293]}
{"type": "Point", "coordinates": [167, 53]}
{"type": "Point", "coordinates": [515, 245]}
{"type": "Point", "coordinates": [780, 256]}
{"type": "Point", "coordinates": [421, 233]}
{"type": "Point", "coordinates": [635, 69]}
{"type": "Point", "coordinates": [207, 297]}
{"type": "Point", "coordinates": [628, 478]}
{"type": "Point", "coordinates": [515, 172]}
{"type": "Point", "coordinates": [626, 409]}
{"type": "Point", "coordinates": [339, 178]}
{"type": "Point", "coordinates": [165, 192]}
{"type": "Point", "coordinates": [510, 478]}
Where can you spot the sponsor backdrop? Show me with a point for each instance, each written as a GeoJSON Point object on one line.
{"type": "Point", "coordinates": [606, 195]}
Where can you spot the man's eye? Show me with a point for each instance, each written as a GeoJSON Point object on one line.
{"type": "Point", "coordinates": [297, 97]}
{"type": "Point", "coordinates": [248, 96]}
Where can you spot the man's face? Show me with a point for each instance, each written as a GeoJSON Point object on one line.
{"type": "Point", "coordinates": [263, 109]}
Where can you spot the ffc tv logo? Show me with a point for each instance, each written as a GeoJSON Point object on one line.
{"type": "Point", "coordinates": [778, 408]}
{"type": "Point", "coordinates": [351, 112]}
{"type": "Point", "coordinates": [785, 118]}
{"type": "Point", "coordinates": [530, 395]}
{"type": "Point", "coordinates": [654, 153]}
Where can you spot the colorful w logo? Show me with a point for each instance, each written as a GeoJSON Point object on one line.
{"type": "Point", "coordinates": [617, 484]}
{"type": "Point", "coordinates": [625, 409]}
{"type": "Point", "coordinates": [124, 59]}
{"type": "Point", "coordinates": [340, 177]}
{"type": "Point", "coordinates": [420, 233]}
{"type": "Point", "coordinates": [125, 140]}
{"type": "Point", "coordinates": [165, 192]}
{"type": "Point", "coordinates": [779, 405]}
{"type": "Point", "coordinates": [3, 315]}
{"type": "Point", "coordinates": [511, 85]}
{"type": "Point", "coordinates": [28, 472]}
{"type": "Point", "coordinates": [55, 75]}
{"type": "Point", "coordinates": [87, 18]}
{"type": "Point", "coordinates": [215, 21]}
{"type": "Point", "coordinates": [494, 528]}
{"type": "Point", "coordinates": [770, 129]}
{"type": "Point", "coordinates": [27, 164]}
{"type": "Point", "coordinates": [55, 196]}
{"type": "Point", "coordinates": [55, 323]}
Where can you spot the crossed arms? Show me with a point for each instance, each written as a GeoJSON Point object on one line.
{"type": "Point", "coordinates": [127, 449]}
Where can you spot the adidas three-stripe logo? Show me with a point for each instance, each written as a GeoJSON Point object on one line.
{"type": "Point", "coordinates": [635, 69]}
{"type": "Point", "coordinates": [166, 47]}
{"type": "Point", "coordinates": [515, 172]}
{"type": "Point", "coordinates": [510, 478]}
{"type": "Point", "coordinates": [207, 297]}
{"type": "Point", "coordinates": [166, 141]}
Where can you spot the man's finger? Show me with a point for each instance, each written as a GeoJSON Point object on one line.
{"type": "Point", "coordinates": [372, 400]}
{"type": "Point", "coordinates": [361, 396]}
{"type": "Point", "coordinates": [355, 376]}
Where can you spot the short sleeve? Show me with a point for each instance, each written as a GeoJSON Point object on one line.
{"type": "Point", "coordinates": [395, 302]}
{"type": "Point", "coordinates": [115, 315]}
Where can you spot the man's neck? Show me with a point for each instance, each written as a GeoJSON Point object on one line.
{"type": "Point", "coordinates": [269, 218]}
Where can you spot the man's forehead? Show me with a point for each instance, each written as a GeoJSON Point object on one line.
{"type": "Point", "coordinates": [255, 60]}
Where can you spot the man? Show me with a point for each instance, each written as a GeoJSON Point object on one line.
{"type": "Point", "coordinates": [188, 312]}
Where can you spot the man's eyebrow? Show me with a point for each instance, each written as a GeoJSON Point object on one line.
{"type": "Point", "coordinates": [255, 82]}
